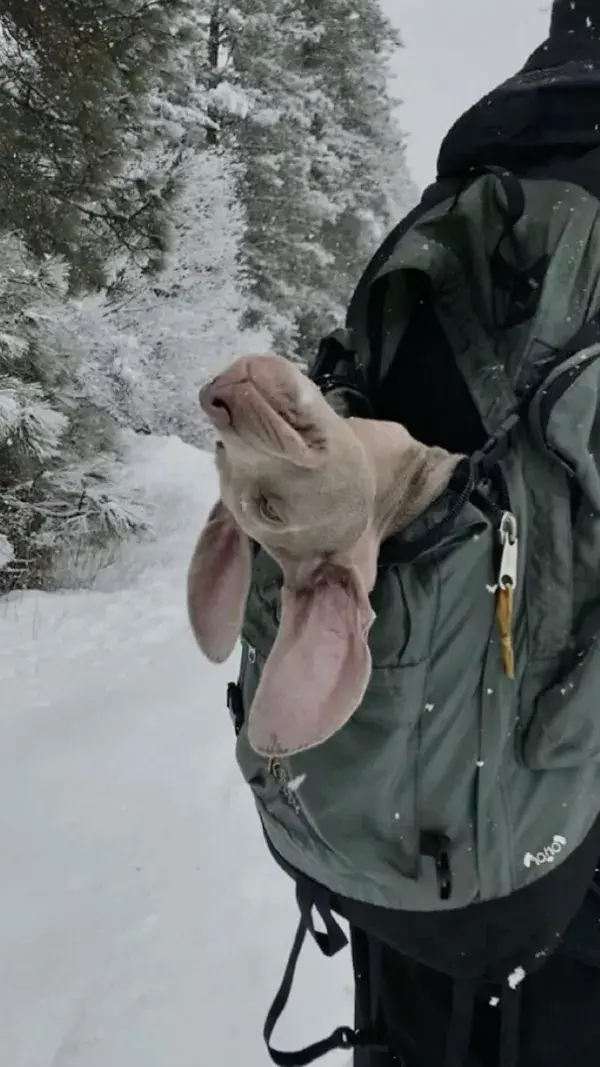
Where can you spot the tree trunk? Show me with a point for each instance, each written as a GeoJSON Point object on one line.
{"type": "Point", "coordinates": [214, 28]}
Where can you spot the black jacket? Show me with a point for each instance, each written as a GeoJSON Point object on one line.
{"type": "Point", "coordinates": [549, 110]}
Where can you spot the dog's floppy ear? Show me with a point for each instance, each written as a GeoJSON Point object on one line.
{"type": "Point", "coordinates": [217, 584]}
{"type": "Point", "coordinates": [318, 670]}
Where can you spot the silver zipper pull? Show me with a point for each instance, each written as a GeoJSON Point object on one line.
{"type": "Point", "coordinates": [507, 577]}
{"type": "Point", "coordinates": [507, 580]}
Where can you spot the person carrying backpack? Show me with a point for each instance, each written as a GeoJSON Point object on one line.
{"type": "Point", "coordinates": [454, 821]}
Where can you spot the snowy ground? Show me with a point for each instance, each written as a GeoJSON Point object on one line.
{"type": "Point", "coordinates": [142, 923]}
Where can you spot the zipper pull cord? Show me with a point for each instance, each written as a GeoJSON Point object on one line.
{"type": "Point", "coordinates": [507, 581]}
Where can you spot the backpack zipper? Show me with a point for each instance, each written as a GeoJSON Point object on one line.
{"type": "Point", "coordinates": [509, 539]}
{"type": "Point", "coordinates": [400, 549]}
{"type": "Point", "coordinates": [505, 590]}
{"type": "Point", "coordinates": [506, 523]}
{"type": "Point", "coordinates": [437, 847]}
{"type": "Point", "coordinates": [272, 768]}
{"type": "Point", "coordinates": [559, 381]}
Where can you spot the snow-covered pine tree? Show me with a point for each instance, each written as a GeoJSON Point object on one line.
{"type": "Point", "coordinates": [170, 122]}
{"type": "Point", "coordinates": [358, 148]}
{"type": "Point", "coordinates": [185, 321]}
{"type": "Point", "coordinates": [320, 180]}
{"type": "Point", "coordinates": [76, 205]}
{"type": "Point", "coordinates": [74, 77]}
{"type": "Point", "coordinates": [59, 454]}
{"type": "Point", "coordinates": [283, 211]}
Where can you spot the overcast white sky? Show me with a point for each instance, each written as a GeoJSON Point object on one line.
{"type": "Point", "coordinates": [455, 50]}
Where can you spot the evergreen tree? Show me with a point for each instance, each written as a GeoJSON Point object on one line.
{"type": "Point", "coordinates": [359, 150]}
{"type": "Point", "coordinates": [185, 319]}
{"type": "Point", "coordinates": [82, 196]}
{"type": "Point", "coordinates": [59, 454]}
{"type": "Point", "coordinates": [74, 77]}
{"type": "Point", "coordinates": [281, 251]}
{"type": "Point", "coordinates": [324, 172]}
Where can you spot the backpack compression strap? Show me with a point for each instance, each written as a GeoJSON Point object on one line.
{"type": "Point", "coordinates": [331, 942]}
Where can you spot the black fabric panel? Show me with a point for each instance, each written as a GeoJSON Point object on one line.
{"type": "Point", "coordinates": [424, 389]}
{"type": "Point", "coordinates": [559, 1023]}
{"type": "Point", "coordinates": [369, 992]}
{"type": "Point", "coordinates": [524, 129]}
{"type": "Point", "coordinates": [579, 17]}
{"type": "Point", "coordinates": [414, 1009]}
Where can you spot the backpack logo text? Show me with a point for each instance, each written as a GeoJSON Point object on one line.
{"type": "Point", "coordinates": [547, 854]}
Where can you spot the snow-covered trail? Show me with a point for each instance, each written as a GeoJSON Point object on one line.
{"type": "Point", "coordinates": [142, 923]}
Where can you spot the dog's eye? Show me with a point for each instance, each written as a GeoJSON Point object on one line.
{"type": "Point", "coordinates": [267, 510]}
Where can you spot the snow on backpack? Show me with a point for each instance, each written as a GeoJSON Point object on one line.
{"type": "Point", "coordinates": [455, 817]}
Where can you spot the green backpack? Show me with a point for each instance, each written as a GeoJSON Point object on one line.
{"type": "Point", "coordinates": [455, 817]}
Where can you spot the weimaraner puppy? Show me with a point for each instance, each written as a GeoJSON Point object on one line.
{"type": "Point", "coordinates": [319, 493]}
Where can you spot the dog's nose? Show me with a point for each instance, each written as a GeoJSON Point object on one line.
{"type": "Point", "coordinates": [219, 397]}
{"type": "Point", "coordinates": [215, 402]}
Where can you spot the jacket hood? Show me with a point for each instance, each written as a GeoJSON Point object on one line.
{"type": "Point", "coordinates": [548, 110]}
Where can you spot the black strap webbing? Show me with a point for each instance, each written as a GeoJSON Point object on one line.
{"type": "Point", "coordinates": [459, 1032]}
{"type": "Point", "coordinates": [330, 942]}
{"type": "Point", "coordinates": [510, 1007]}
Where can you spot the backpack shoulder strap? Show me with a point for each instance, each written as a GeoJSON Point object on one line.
{"type": "Point", "coordinates": [309, 895]}
{"type": "Point", "coordinates": [433, 195]}
{"type": "Point", "coordinates": [336, 368]}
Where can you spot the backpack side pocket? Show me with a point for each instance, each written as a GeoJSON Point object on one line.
{"type": "Point", "coordinates": [564, 731]}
